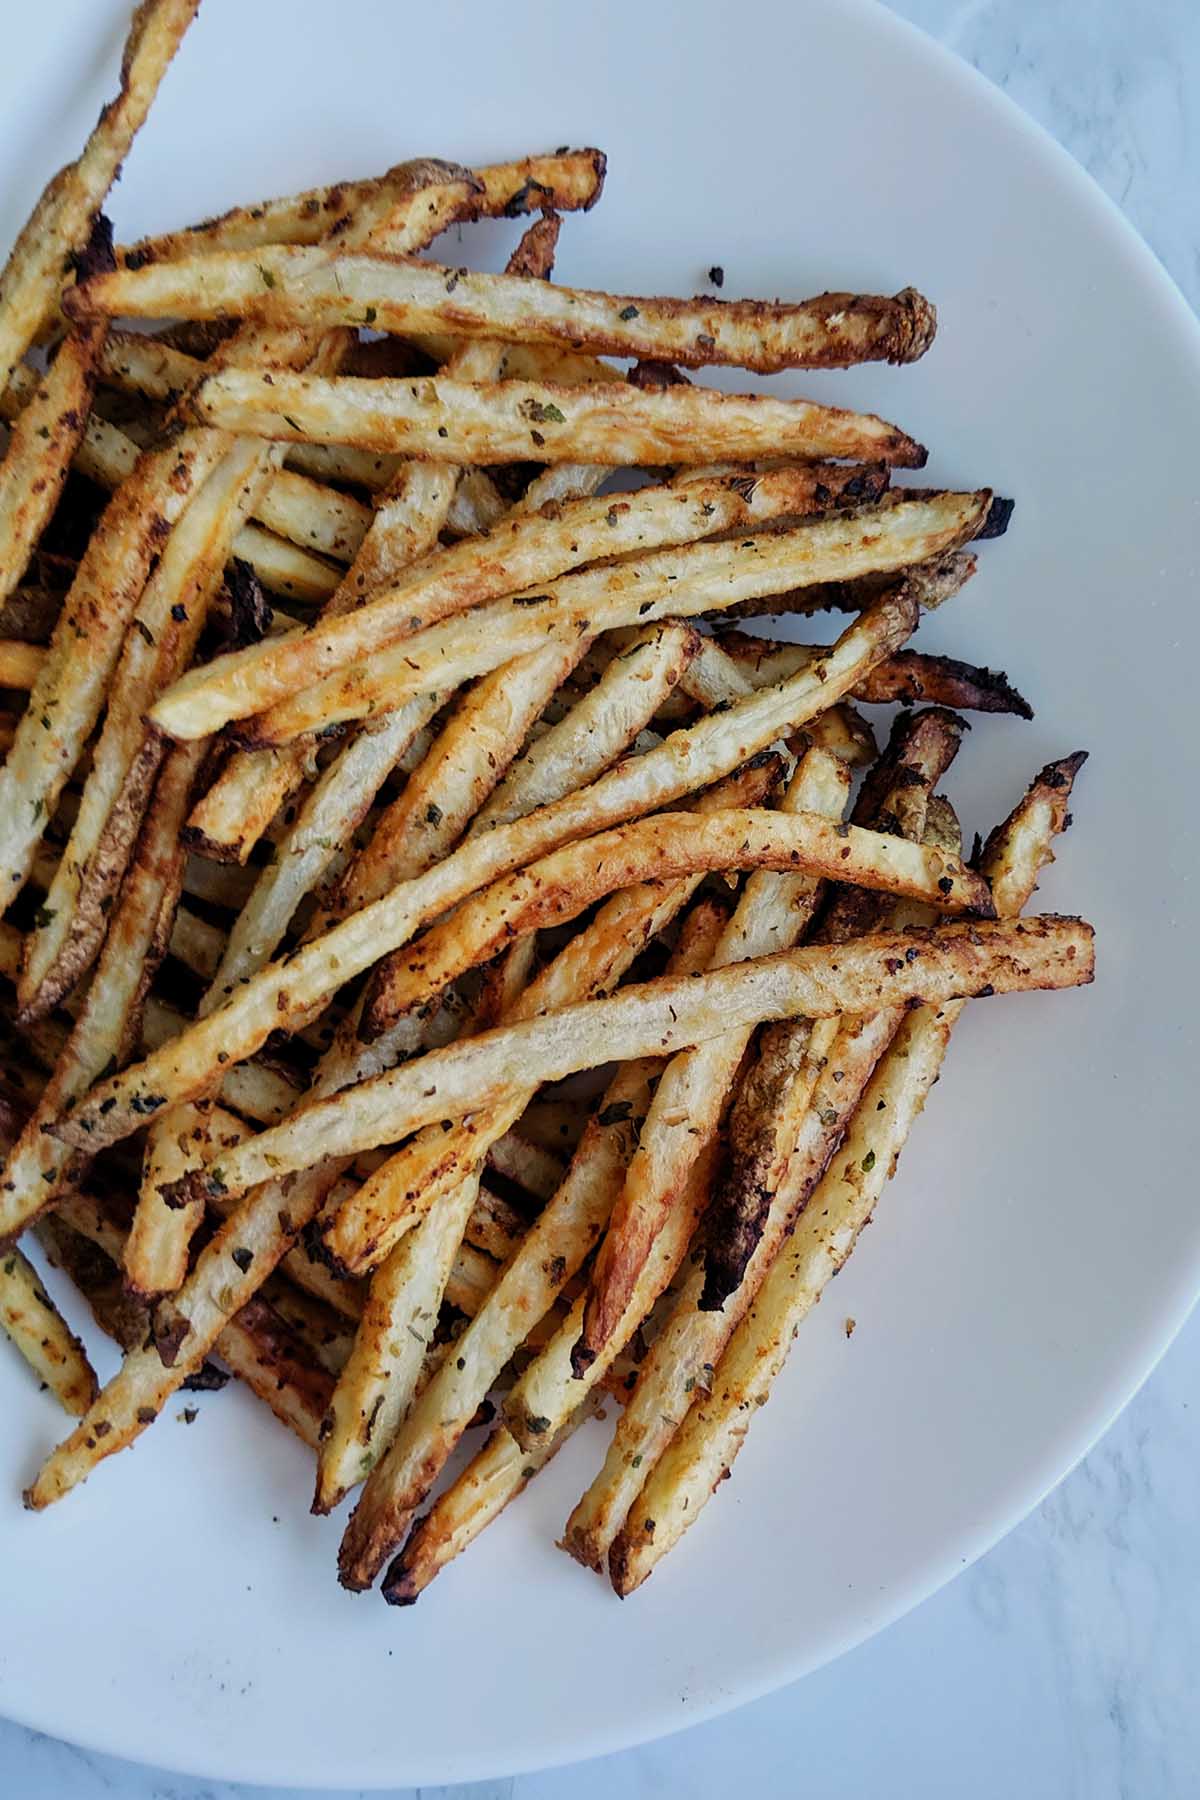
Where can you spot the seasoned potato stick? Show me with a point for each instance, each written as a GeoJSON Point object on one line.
{"type": "Point", "coordinates": [507, 421]}
{"type": "Point", "coordinates": [159, 644]}
{"type": "Point", "coordinates": [70, 688]}
{"type": "Point", "coordinates": [38, 1330]}
{"type": "Point", "coordinates": [41, 444]}
{"type": "Point", "coordinates": [567, 182]}
{"type": "Point", "coordinates": [36, 1169]}
{"type": "Point", "coordinates": [390, 1202]}
{"type": "Point", "coordinates": [689, 760]}
{"type": "Point", "coordinates": [602, 724]}
{"type": "Point", "coordinates": [156, 1251]}
{"type": "Point", "coordinates": [524, 550]}
{"type": "Point", "coordinates": [551, 1253]}
{"type": "Point", "coordinates": [935, 582]}
{"type": "Point", "coordinates": [886, 969]}
{"type": "Point", "coordinates": [60, 223]}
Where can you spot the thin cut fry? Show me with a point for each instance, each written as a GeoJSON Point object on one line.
{"type": "Point", "coordinates": [568, 181]}
{"type": "Point", "coordinates": [666, 846]}
{"type": "Point", "coordinates": [36, 1169]}
{"type": "Point", "coordinates": [156, 1252]}
{"type": "Point", "coordinates": [885, 969]}
{"type": "Point", "coordinates": [531, 1282]}
{"type": "Point", "coordinates": [689, 760]}
{"type": "Point", "coordinates": [508, 421]}
{"type": "Point", "coordinates": [523, 551]}
{"type": "Point", "coordinates": [295, 285]}
{"type": "Point", "coordinates": [71, 686]}
{"type": "Point", "coordinates": [598, 727]}
{"type": "Point", "coordinates": [38, 1330]}
{"type": "Point", "coordinates": [397, 1194]}
{"type": "Point", "coordinates": [40, 447]}
{"type": "Point", "coordinates": [59, 225]}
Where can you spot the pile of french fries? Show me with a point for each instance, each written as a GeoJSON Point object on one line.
{"type": "Point", "coordinates": [447, 977]}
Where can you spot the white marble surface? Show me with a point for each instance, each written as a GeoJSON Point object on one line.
{"type": "Point", "coordinates": [1061, 1667]}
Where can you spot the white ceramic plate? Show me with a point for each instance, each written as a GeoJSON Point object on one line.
{"type": "Point", "coordinates": [1042, 1242]}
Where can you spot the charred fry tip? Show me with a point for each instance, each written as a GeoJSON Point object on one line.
{"type": "Point", "coordinates": [998, 515]}
{"type": "Point", "coordinates": [919, 327]}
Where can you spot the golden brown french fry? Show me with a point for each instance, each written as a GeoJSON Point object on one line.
{"type": "Point", "coordinates": [406, 1184]}
{"type": "Point", "coordinates": [551, 1253]}
{"type": "Point", "coordinates": [669, 845]}
{"type": "Point", "coordinates": [524, 551]}
{"type": "Point", "coordinates": [159, 643]}
{"type": "Point", "coordinates": [297, 285]}
{"type": "Point", "coordinates": [71, 686]}
{"type": "Point", "coordinates": [885, 969]}
{"type": "Point", "coordinates": [702, 1452]}
{"type": "Point", "coordinates": [60, 223]}
{"type": "Point", "coordinates": [41, 444]}
{"type": "Point", "coordinates": [508, 421]}
{"type": "Point", "coordinates": [569, 181]}
{"type": "Point", "coordinates": [934, 583]}
{"type": "Point", "coordinates": [20, 664]}
{"type": "Point", "coordinates": [156, 1251]}
{"type": "Point", "coordinates": [689, 760]}
{"type": "Point", "coordinates": [38, 1330]}
{"type": "Point", "coordinates": [36, 1169]}
{"type": "Point", "coordinates": [669, 583]}
{"type": "Point", "coordinates": [232, 815]}
{"type": "Point", "coordinates": [600, 725]}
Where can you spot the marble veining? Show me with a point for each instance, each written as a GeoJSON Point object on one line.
{"type": "Point", "coordinates": [1063, 1666]}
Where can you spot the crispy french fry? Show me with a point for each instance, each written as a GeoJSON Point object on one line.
{"type": "Point", "coordinates": [525, 550]}
{"type": "Point", "coordinates": [36, 1169]}
{"type": "Point", "coordinates": [296, 285]}
{"type": "Point", "coordinates": [41, 445]}
{"type": "Point", "coordinates": [935, 582]}
{"type": "Point", "coordinates": [271, 1358]}
{"type": "Point", "coordinates": [20, 664]}
{"type": "Point", "coordinates": [230, 1269]}
{"type": "Point", "coordinates": [703, 1450]}
{"type": "Point", "coordinates": [38, 1330]}
{"type": "Point", "coordinates": [70, 688]}
{"type": "Point", "coordinates": [560, 886]}
{"type": "Point", "coordinates": [59, 225]}
{"type": "Point", "coordinates": [156, 1251]}
{"type": "Point", "coordinates": [504, 421]}
{"type": "Point", "coordinates": [532, 1166]}
{"type": "Point", "coordinates": [570, 181]}
{"type": "Point", "coordinates": [406, 1184]}
{"type": "Point", "coordinates": [552, 1252]}
{"type": "Point", "coordinates": [772, 915]}
{"type": "Point", "coordinates": [331, 812]}
{"type": "Point", "coordinates": [602, 724]}
{"type": "Point", "coordinates": [885, 969]}
{"type": "Point", "coordinates": [159, 644]}
{"type": "Point", "coordinates": [232, 815]}
{"type": "Point", "coordinates": [669, 583]}
{"type": "Point", "coordinates": [689, 760]}
{"type": "Point", "coordinates": [442, 796]}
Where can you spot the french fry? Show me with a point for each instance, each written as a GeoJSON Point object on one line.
{"type": "Point", "coordinates": [441, 797]}
{"type": "Point", "coordinates": [156, 1252]}
{"type": "Point", "coordinates": [41, 445]}
{"type": "Point", "coordinates": [70, 688]}
{"type": "Point", "coordinates": [331, 812]}
{"type": "Point", "coordinates": [675, 583]}
{"type": "Point", "coordinates": [668, 845]}
{"type": "Point", "coordinates": [772, 915]}
{"type": "Point", "coordinates": [20, 664]}
{"type": "Point", "coordinates": [406, 1184]}
{"type": "Point", "coordinates": [38, 1330]}
{"type": "Point", "coordinates": [570, 181]}
{"type": "Point", "coordinates": [36, 1169]}
{"type": "Point", "coordinates": [504, 421]}
{"type": "Point", "coordinates": [232, 815]}
{"type": "Point", "coordinates": [256, 1236]}
{"type": "Point", "coordinates": [690, 759]}
{"type": "Point", "coordinates": [935, 582]}
{"type": "Point", "coordinates": [531, 1282]}
{"type": "Point", "coordinates": [159, 644]}
{"type": "Point", "coordinates": [525, 550]}
{"type": "Point", "coordinates": [703, 1450]}
{"type": "Point", "coordinates": [885, 969]}
{"type": "Point", "coordinates": [59, 225]}
{"type": "Point", "coordinates": [603, 723]}
{"type": "Point", "coordinates": [534, 1168]}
